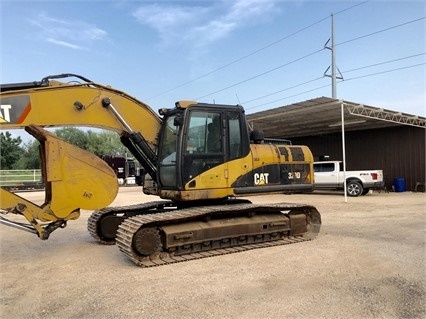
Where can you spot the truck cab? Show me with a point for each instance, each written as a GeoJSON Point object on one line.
{"type": "Point", "coordinates": [124, 167]}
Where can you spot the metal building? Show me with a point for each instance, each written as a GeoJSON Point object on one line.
{"type": "Point", "coordinates": [373, 138]}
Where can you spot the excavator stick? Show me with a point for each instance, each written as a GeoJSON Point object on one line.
{"type": "Point", "coordinates": [74, 179]}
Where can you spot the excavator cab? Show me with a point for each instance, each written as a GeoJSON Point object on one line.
{"type": "Point", "coordinates": [195, 139]}
{"type": "Point", "coordinates": [204, 153]}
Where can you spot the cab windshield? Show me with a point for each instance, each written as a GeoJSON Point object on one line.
{"type": "Point", "coordinates": [167, 153]}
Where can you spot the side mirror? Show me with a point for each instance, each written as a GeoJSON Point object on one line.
{"type": "Point", "coordinates": [178, 119]}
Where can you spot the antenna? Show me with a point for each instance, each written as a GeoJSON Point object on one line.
{"type": "Point", "coordinates": [239, 103]}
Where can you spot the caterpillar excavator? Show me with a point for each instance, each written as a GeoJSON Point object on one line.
{"type": "Point", "coordinates": [200, 160]}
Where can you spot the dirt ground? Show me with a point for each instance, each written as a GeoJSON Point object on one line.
{"type": "Point", "coordinates": [367, 262]}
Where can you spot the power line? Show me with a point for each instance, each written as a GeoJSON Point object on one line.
{"type": "Point", "coordinates": [286, 64]}
{"type": "Point", "coordinates": [319, 78]}
{"type": "Point", "coordinates": [355, 5]}
{"type": "Point", "coordinates": [261, 74]}
{"type": "Point", "coordinates": [283, 90]}
{"type": "Point", "coordinates": [385, 62]}
{"type": "Point", "coordinates": [240, 59]}
{"type": "Point", "coordinates": [380, 31]}
{"type": "Point", "coordinates": [324, 86]}
{"type": "Point", "coordinates": [253, 52]}
{"type": "Point", "coordinates": [290, 96]}
{"type": "Point", "coordinates": [387, 71]}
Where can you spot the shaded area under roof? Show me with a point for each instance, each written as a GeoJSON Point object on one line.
{"type": "Point", "coordinates": [322, 116]}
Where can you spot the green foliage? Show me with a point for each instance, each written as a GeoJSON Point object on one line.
{"type": "Point", "coordinates": [30, 158]}
{"type": "Point", "coordinates": [105, 143]}
{"type": "Point", "coordinates": [73, 136]}
{"type": "Point", "coordinates": [27, 156]}
{"type": "Point", "coordinates": [10, 150]}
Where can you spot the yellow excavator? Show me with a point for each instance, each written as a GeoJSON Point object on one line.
{"type": "Point", "coordinates": [200, 159]}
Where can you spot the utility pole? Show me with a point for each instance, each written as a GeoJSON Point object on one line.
{"type": "Point", "coordinates": [334, 77]}
{"type": "Point", "coordinates": [333, 61]}
{"type": "Point", "coordinates": [334, 68]}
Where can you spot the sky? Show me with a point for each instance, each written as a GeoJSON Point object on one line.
{"type": "Point", "coordinates": [261, 54]}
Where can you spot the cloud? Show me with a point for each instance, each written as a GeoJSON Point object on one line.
{"type": "Point", "coordinates": [65, 44]}
{"type": "Point", "coordinates": [170, 21]}
{"type": "Point", "coordinates": [163, 17]}
{"type": "Point", "coordinates": [247, 9]}
{"type": "Point", "coordinates": [202, 25]}
{"type": "Point", "coordinates": [75, 35]}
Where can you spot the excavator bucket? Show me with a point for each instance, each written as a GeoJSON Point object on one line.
{"type": "Point", "coordinates": [74, 178]}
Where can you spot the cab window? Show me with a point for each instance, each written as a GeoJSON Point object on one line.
{"type": "Point", "coordinates": [203, 145]}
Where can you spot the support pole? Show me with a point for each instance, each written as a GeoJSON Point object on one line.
{"type": "Point", "coordinates": [342, 110]}
{"type": "Point", "coordinates": [334, 77]}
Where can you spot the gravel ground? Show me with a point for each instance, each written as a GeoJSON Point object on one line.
{"type": "Point", "coordinates": [367, 262]}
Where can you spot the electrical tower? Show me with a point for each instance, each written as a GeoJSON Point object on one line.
{"type": "Point", "coordinates": [334, 68]}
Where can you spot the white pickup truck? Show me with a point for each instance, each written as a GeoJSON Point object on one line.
{"type": "Point", "coordinates": [329, 175]}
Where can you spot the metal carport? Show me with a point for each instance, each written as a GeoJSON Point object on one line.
{"type": "Point", "coordinates": [376, 138]}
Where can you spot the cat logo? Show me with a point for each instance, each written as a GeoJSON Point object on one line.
{"type": "Point", "coordinates": [261, 178]}
{"type": "Point", "coordinates": [5, 113]}
{"type": "Point", "coordinates": [14, 109]}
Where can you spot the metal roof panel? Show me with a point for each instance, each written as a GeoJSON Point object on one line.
{"type": "Point", "coordinates": [322, 115]}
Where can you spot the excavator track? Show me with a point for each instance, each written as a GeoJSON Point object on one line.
{"type": "Point", "coordinates": [144, 238]}
{"type": "Point", "coordinates": [97, 219]}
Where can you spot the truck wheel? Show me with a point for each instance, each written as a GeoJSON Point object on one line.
{"type": "Point", "coordinates": [354, 189]}
{"type": "Point", "coordinates": [365, 191]}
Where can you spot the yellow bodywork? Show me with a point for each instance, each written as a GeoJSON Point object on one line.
{"type": "Point", "coordinates": [81, 105]}
{"type": "Point", "coordinates": [79, 180]}
{"type": "Point", "coordinates": [74, 179]}
{"type": "Point", "coordinates": [218, 181]}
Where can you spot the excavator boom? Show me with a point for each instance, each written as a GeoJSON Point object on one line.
{"type": "Point", "coordinates": [50, 103]}
{"type": "Point", "coordinates": [74, 179]}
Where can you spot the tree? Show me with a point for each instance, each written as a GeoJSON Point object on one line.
{"type": "Point", "coordinates": [31, 157]}
{"type": "Point", "coordinates": [10, 150]}
{"type": "Point", "coordinates": [73, 136]}
{"type": "Point", "coordinates": [98, 143]}
{"type": "Point", "coordinates": [105, 143]}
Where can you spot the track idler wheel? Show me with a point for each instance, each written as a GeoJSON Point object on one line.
{"type": "Point", "coordinates": [147, 241]}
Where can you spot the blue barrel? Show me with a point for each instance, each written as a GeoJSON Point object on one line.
{"type": "Point", "coordinates": [399, 184]}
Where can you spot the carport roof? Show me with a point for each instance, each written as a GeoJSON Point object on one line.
{"type": "Point", "coordinates": [322, 115]}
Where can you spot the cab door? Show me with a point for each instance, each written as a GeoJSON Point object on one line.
{"type": "Point", "coordinates": [168, 154]}
{"type": "Point", "coordinates": [203, 148]}
{"type": "Point", "coordinates": [326, 175]}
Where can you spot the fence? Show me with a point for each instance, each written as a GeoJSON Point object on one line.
{"type": "Point", "coordinates": [21, 179]}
